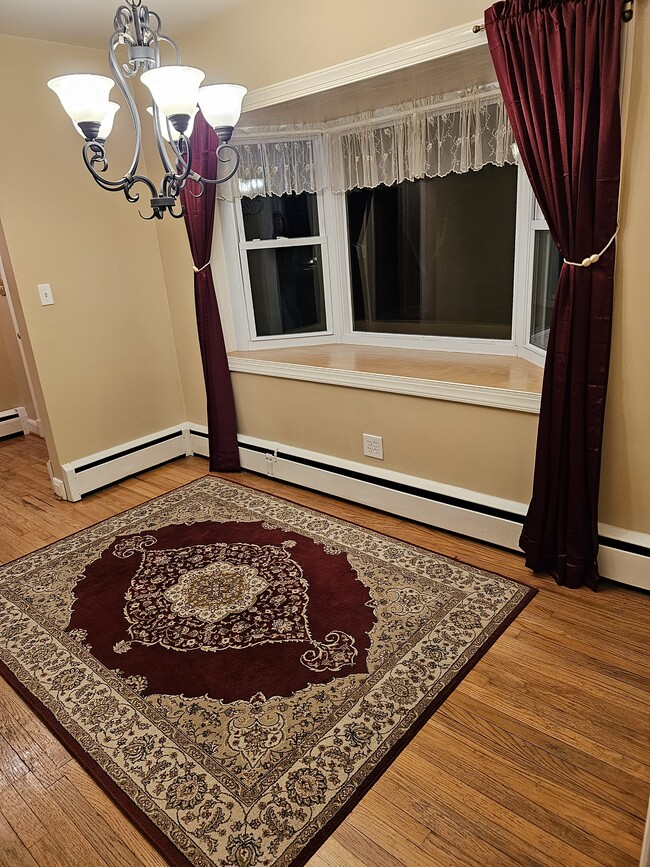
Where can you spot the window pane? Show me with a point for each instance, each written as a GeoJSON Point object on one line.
{"type": "Point", "coordinates": [546, 271]}
{"type": "Point", "coordinates": [287, 289]}
{"type": "Point", "coordinates": [435, 256]}
{"type": "Point", "coordinates": [287, 216]}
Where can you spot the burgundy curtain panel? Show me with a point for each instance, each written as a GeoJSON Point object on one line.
{"type": "Point", "coordinates": [558, 65]}
{"type": "Point", "coordinates": [199, 221]}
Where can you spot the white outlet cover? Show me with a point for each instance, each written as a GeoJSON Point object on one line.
{"type": "Point", "coordinates": [373, 446]}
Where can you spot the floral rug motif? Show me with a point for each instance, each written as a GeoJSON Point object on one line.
{"type": "Point", "coordinates": [235, 669]}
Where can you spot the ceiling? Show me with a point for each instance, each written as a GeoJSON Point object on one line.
{"type": "Point", "coordinates": [90, 22]}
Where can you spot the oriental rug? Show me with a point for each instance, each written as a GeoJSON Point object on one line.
{"type": "Point", "coordinates": [235, 669]}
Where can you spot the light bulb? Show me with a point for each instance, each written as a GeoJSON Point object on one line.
{"type": "Point", "coordinates": [221, 104]}
{"type": "Point", "coordinates": [175, 91]}
{"type": "Point", "coordinates": [85, 99]}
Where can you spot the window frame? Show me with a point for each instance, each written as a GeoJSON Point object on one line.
{"type": "Point", "coordinates": [320, 240]}
{"type": "Point", "coordinates": [530, 220]}
{"type": "Point", "coordinates": [333, 240]}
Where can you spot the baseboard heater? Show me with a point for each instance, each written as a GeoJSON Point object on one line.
{"type": "Point", "coordinates": [622, 559]}
{"type": "Point", "coordinates": [13, 422]}
{"type": "Point", "coordinates": [96, 471]}
{"type": "Point", "coordinates": [478, 520]}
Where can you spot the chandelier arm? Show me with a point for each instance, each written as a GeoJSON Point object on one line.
{"type": "Point", "coordinates": [94, 155]}
{"type": "Point", "coordinates": [138, 179]}
{"type": "Point", "coordinates": [184, 159]}
{"type": "Point", "coordinates": [199, 179]}
{"type": "Point", "coordinates": [160, 143]}
{"type": "Point", "coordinates": [162, 38]}
{"type": "Point", "coordinates": [128, 97]}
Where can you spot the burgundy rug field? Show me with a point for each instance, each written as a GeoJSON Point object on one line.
{"type": "Point", "coordinates": [236, 670]}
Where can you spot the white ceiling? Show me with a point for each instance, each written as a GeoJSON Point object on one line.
{"type": "Point", "coordinates": [90, 22]}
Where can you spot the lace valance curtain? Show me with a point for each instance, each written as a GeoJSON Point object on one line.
{"type": "Point", "coordinates": [429, 137]}
{"type": "Point", "coordinates": [275, 164]}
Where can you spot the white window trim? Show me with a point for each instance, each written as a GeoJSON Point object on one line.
{"type": "Point", "coordinates": [529, 221]}
{"type": "Point", "coordinates": [254, 340]}
{"type": "Point", "coordinates": [456, 392]}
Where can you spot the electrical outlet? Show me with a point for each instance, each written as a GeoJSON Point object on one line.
{"type": "Point", "coordinates": [373, 446]}
{"type": "Point", "coordinates": [45, 291]}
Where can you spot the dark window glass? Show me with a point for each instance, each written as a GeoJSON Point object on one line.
{"type": "Point", "coordinates": [287, 290]}
{"type": "Point", "coordinates": [435, 256]}
{"type": "Point", "coordinates": [547, 262]}
{"type": "Point", "coordinates": [287, 216]}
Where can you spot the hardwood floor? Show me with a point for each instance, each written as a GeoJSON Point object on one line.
{"type": "Point", "coordinates": [540, 757]}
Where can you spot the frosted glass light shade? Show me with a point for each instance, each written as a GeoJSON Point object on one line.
{"type": "Point", "coordinates": [221, 103]}
{"type": "Point", "coordinates": [174, 89]}
{"type": "Point", "coordinates": [84, 97]}
{"type": "Point", "coordinates": [164, 128]}
{"type": "Point", "coordinates": [106, 125]}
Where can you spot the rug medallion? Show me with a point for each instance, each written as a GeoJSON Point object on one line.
{"type": "Point", "coordinates": [236, 669]}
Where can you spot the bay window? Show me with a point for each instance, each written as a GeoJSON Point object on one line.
{"type": "Point", "coordinates": [411, 226]}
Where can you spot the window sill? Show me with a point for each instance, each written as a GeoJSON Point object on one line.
{"type": "Point", "coordinates": [504, 382]}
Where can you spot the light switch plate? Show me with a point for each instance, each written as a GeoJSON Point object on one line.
{"type": "Point", "coordinates": [45, 291]}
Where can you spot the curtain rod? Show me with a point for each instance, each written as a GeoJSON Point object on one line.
{"type": "Point", "coordinates": [626, 16]}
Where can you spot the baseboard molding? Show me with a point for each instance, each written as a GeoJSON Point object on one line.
{"type": "Point", "coordinates": [199, 440]}
{"type": "Point", "coordinates": [13, 421]}
{"type": "Point", "coordinates": [34, 426]}
{"type": "Point", "coordinates": [101, 469]}
{"type": "Point", "coordinates": [624, 555]}
{"type": "Point", "coordinates": [57, 484]}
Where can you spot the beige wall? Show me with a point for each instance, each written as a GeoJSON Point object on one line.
{"type": "Point", "coordinates": [473, 447]}
{"type": "Point", "coordinates": [625, 487]}
{"type": "Point", "coordinates": [9, 392]}
{"type": "Point", "coordinates": [104, 351]}
{"type": "Point", "coordinates": [260, 43]}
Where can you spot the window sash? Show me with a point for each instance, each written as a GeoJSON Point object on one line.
{"type": "Point", "coordinates": [321, 241]}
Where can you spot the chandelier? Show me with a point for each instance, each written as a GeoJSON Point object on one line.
{"type": "Point", "coordinates": [175, 90]}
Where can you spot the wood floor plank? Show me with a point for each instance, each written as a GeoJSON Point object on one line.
{"type": "Point", "coordinates": [533, 748]}
{"type": "Point", "coordinates": [456, 832]}
{"type": "Point", "coordinates": [539, 758]}
{"type": "Point", "coordinates": [20, 816]}
{"type": "Point", "coordinates": [13, 852]}
{"type": "Point", "coordinates": [98, 804]}
{"type": "Point", "coordinates": [110, 848]}
{"type": "Point", "coordinates": [64, 837]}
{"type": "Point", "coordinates": [585, 823]}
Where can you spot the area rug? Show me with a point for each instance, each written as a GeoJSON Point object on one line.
{"type": "Point", "coordinates": [235, 669]}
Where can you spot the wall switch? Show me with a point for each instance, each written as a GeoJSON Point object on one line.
{"type": "Point", "coordinates": [45, 291]}
{"type": "Point", "coordinates": [373, 446]}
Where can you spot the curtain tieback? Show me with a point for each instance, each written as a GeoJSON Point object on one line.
{"type": "Point", "coordinates": [198, 270]}
{"type": "Point", "coordinates": [591, 260]}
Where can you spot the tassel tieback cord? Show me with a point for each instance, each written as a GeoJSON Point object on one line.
{"type": "Point", "coordinates": [198, 270]}
{"type": "Point", "coordinates": [591, 260]}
